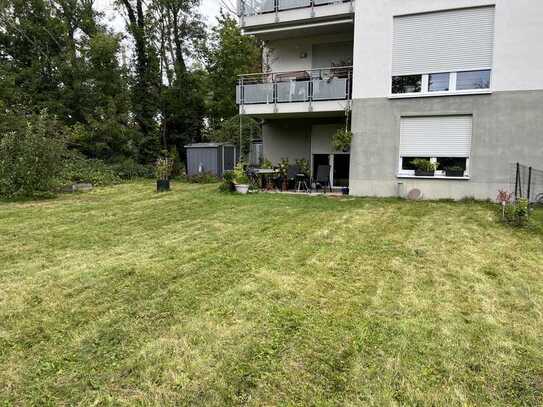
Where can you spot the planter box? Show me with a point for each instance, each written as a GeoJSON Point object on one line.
{"type": "Point", "coordinates": [242, 189]}
{"type": "Point", "coordinates": [421, 173]}
{"type": "Point", "coordinates": [162, 185]}
{"type": "Point", "coordinates": [453, 173]}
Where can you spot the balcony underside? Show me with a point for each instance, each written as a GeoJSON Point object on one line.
{"type": "Point", "coordinates": [311, 28]}
{"type": "Point", "coordinates": [325, 108]}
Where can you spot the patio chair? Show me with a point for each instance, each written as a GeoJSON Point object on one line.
{"type": "Point", "coordinates": [322, 180]}
{"type": "Point", "coordinates": [293, 171]}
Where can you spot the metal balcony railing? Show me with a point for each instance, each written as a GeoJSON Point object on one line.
{"type": "Point", "coordinates": [322, 84]}
{"type": "Point", "coordinates": [255, 7]}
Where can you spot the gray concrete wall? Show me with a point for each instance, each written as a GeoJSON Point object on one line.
{"type": "Point", "coordinates": [286, 139]}
{"type": "Point", "coordinates": [507, 127]}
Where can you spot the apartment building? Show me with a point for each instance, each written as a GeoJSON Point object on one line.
{"type": "Point", "coordinates": [457, 82]}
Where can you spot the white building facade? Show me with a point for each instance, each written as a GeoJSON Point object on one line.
{"type": "Point", "coordinates": [456, 82]}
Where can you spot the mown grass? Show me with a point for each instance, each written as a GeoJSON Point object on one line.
{"type": "Point", "coordinates": [125, 296]}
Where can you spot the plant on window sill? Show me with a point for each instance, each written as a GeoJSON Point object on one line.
{"type": "Point", "coordinates": [424, 168]}
{"type": "Point", "coordinates": [454, 171]}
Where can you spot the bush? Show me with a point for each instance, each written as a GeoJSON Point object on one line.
{"type": "Point", "coordinates": [31, 160]}
{"type": "Point", "coordinates": [227, 184]}
{"type": "Point", "coordinates": [77, 168]}
{"type": "Point", "coordinates": [203, 178]}
{"type": "Point", "coordinates": [516, 213]}
{"type": "Point", "coordinates": [342, 139]}
{"type": "Point", "coordinates": [130, 169]}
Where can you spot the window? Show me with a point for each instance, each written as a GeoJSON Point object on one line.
{"type": "Point", "coordinates": [443, 51]}
{"type": "Point", "coordinates": [452, 162]}
{"type": "Point", "coordinates": [473, 80]}
{"type": "Point", "coordinates": [407, 84]}
{"type": "Point", "coordinates": [438, 82]}
{"type": "Point", "coordinates": [448, 82]}
{"type": "Point", "coordinates": [444, 140]}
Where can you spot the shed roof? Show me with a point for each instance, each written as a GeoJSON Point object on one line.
{"type": "Point", "coordinates": [208, 145]}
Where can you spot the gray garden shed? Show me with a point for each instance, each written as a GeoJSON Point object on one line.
{"type": "Point", "coordinates": [213, 158]}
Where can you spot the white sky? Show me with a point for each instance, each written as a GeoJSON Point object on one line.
{"type": "Point", "coordinates": [209, 9]}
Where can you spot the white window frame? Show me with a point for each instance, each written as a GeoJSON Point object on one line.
{"type": "Point", "coordinates": [439, 174]}
{"type": "Point", "coordinates": [425, 82]}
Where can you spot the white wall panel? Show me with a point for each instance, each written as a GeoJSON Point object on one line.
{"type": "Point", "coordinates": [518, 32]}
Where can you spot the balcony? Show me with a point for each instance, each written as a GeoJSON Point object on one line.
{"type": "Point", "coordinates": [316, 90]}
{"type": "Point", "coordinates": [258, 16]}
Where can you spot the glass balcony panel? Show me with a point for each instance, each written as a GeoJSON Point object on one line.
{"type": "Point", "coordinates": [254, 7]}
{"type": "Point", "coordinates": [238, 94]}
{"type": "Point", "coordinates": [292, 91]}
{"type": "Point", "coordinates": [330, 89]}
{"type": "Point", "coordinates": [258, 93]}
{"type": "Point", "coordinates": [288, 4]}
{"type": "Point", "coordinates": [321, 2]}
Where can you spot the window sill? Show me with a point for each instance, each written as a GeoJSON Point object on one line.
{"type": "Point", "coordinates": [440, 177]}
{"type": "Point", "coordinates": [440, 94]}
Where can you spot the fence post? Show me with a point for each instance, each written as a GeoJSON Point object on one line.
{"type": "Point", "coordinates": [517, 175]}
{"type": "Point", "coordinates": [529, 183]}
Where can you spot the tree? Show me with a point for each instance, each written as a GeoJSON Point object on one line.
{"type": "Point", "coordinates": [231, 55]}
{"type": "Point", "coordinates": [145, 88]}
{"type": "Point", "coordinates": [180, 35]}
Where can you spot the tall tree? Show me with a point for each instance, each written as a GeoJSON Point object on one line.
{"type": "Point", "coordinates": [145, 88]}
{"type": "Point", "coordinates": [231, 54]}
{"type": "Point", "coordinates": [180, 37]}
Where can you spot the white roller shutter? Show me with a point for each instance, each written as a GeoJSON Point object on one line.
{"type": "Point", "coordinates": [435, 136]}
{"type": "Point", "coordinates": [444, 41]}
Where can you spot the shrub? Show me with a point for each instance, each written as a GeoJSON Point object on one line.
{"type": "Point", "coordinates": [342, 140]}
{"type": "Point", "coordinates": [304, 166]}
{"type": "Point", "coordinates": [240, 176]}
{"type": "Point", "coordinates": [227, 184]}
{"type": "Point", "coordinates": [203, 178]}
{"type": "Point", "coordinates": [163, 168]}
{"type": "Point", "coordinates": [514, 212]}
{"type": "Point", "coordinates": [130, 169]}
{"type": "Point", "coordinates": [31, 160]}
{"type": "Point", "coordinates": [77, 168]}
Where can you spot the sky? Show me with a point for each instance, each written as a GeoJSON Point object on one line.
{"type": "Point", "coordinates": [209, 9]}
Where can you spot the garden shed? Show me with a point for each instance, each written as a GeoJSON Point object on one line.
{"type": "Point", "coordinates": [211, 158]}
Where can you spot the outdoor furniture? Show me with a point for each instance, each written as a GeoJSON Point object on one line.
{"type": "Point", "coordinates": [301, 183]}
{"type": "Point", "coordinates": [292, 172]}
{"type": "Point", "coordinates": [265, 176]}
{"type": "Point", "coordinates": [323, 177]}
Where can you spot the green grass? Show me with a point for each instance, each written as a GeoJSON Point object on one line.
{"type": "Point", "coordinates": [125, 296]}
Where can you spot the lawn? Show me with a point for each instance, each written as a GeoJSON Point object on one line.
{"type": "Point", "coordinates": [193, 297]}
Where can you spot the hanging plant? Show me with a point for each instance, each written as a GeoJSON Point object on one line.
{"type": "Point", "coordinates": [342, 140]}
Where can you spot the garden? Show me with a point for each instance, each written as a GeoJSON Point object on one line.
{"type": "Point", "coordinates": [123, 295]}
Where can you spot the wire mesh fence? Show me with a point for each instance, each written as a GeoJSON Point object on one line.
{"type": "Point", "coordinates": [528, 183]}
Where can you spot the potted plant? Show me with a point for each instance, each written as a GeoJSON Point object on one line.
{"type": "Point", "coordinates": [424, 167]}
{"type": "Point", "coordinates": [163, 170]}
{"type": "Point", "coordinates": [304, 166]}
{"type": "Point", "coordinates": [241, 180]}
{"type": "Point", "coordinates": [283, 172]}
{"type": "Point", "coordinates": [342, 139]}
{"type": "Point", "coordinates": [454, 171]}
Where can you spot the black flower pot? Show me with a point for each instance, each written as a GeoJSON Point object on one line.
{"type": "Point", "coordinates": [422, 173]}
{"type": "Point", "coordinates": [162, 185]}
{"type": "Point", "coordinates": [454, 173]}
{"type": "Point", "coordinates": [345, 191]}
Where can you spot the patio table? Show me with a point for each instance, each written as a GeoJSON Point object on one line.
{"type": "Point", "coordinates": [265, 174]}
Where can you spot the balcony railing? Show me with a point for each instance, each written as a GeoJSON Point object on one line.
{"type": "Point", "coordinates": [256, 7]}
{"type": "Point", "coordinates": [333, 83]}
